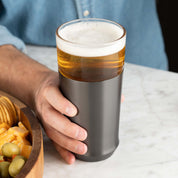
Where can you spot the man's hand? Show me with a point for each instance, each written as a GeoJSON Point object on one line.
{"type": "Point", "coordinates": [37, 86]}
{"type": "Point", "coordinates": [51, 107]}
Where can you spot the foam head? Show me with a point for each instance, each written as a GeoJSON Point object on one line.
{"type": "Point", "coordinates": [90, 38]}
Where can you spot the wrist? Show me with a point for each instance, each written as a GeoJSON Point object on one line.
{"type": "Point", "coordinates": [21, 76]}
{"type": "Point", "coordinates": [48, 79]}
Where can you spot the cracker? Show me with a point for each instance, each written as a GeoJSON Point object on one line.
{"type": "Point", "coordinates": [11, 105]}
{"type": "Point", "coordinates": [7, 117]}
{"type": "Point", "coordinates": [2, 114]}
{"type": "Point", "coordinates": [8, 112]}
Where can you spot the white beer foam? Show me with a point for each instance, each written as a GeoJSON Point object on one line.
{"type": "Point", "coordinates": [91, 39]}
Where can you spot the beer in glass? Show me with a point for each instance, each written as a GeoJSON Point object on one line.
{"type": "Point", "coordinates": [91, 56]}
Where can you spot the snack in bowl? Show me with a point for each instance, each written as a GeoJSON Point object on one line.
{"type": "Point", "coordinates": [25, 119]}
{"type": "Point", "coordinates": [15, 148]}
{"type": "Point", "coordinates": [11, 161]}
{"type": "Point", "coordinates": [17, 135]}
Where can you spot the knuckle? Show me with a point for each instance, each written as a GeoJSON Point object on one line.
{"type": "Point", "coordinates": [71, 130]}
{"type": "Point", "coordinates": [62, 105]}
{"type": "Point", "coordinates": [48, 133]}
{"type": "Point", "coordinates": [68, 144]}
{"type": "Point", "coordinates": [46, 91]}
{"type": "Point", "coordinates": [45, 114]}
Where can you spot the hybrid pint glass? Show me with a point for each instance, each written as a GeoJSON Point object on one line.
{"type": "Point", "coordinates": [91, 56]}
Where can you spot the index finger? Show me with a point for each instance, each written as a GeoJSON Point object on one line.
{"type": "Point", "coordinates": [59, 102]}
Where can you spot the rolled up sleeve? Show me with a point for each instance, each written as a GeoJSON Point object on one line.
{"type": "Point", "coordinates": [7, 38]}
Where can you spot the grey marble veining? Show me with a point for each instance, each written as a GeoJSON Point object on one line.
{"type": "Point", "coordinates": [148, 128]}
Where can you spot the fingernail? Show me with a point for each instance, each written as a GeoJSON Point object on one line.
{"type": "Point", "coordinates": [71, 111]}
{"type": "Point", "coordinates": [81, 135]}
{"type": "Point", "coordinates": [70, 158]}
{"type": "Point", "coordinates": [82, 149]}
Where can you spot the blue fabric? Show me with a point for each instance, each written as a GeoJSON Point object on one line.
{"type": "Point", "coordinates": [7, 38]}
{"type": "Point", "coordinates": [36, 21]}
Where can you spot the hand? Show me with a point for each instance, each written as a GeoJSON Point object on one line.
{"type": "Point", "coordinates": [37, 87]}
{"type": "Point", "coordinates": [51, 107]}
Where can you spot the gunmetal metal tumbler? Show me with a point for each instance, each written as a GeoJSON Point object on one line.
{"type": "Point", "coordinates": [91, 56]}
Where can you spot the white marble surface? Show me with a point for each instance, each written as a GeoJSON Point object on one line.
{"type": "Point", "coordinates": [148, 128]}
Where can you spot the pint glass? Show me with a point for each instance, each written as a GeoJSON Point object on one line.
{"type": "Point", "coordinates": [91, 56]}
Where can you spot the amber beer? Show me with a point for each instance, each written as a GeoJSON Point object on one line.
{"type": "Point", "coordinates": [90, 51]}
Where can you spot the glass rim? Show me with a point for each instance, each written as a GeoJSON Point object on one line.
{"type": "Point", "coordinates": [91, 19]}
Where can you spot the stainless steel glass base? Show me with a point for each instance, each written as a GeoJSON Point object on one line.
{"type": "Point", "coordinates": [98, 106]}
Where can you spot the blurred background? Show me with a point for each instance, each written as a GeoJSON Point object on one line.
{"type": "Point", "coordinates": [162, 7]}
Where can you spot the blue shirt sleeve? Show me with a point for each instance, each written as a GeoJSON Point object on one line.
{"type": "Point", "coordinates": [7, 38]}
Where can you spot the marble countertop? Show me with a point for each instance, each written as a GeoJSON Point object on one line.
{"type": "Point", "coordinates": [148, 128]}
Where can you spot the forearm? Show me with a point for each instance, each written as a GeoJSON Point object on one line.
{"type": "Point", "coordinates": [37, 86]}
{"type": "Point", "coordinates": [19, 74]}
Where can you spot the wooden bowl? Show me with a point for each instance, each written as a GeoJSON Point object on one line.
{"type": "Point", "coordinates": [33, 168]}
